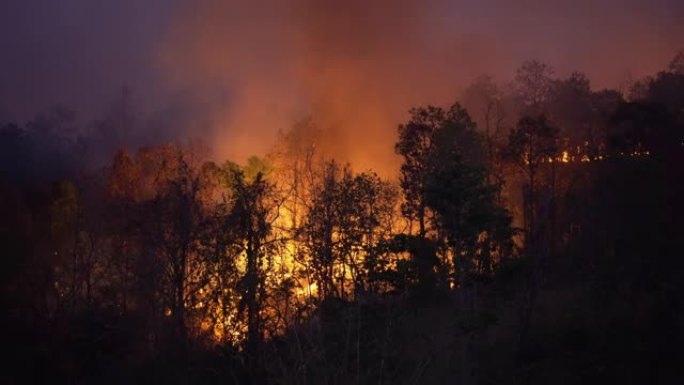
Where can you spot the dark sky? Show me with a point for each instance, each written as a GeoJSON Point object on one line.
{"type": "Point", "coordinates": [79, 53]}
{"type": "Point", "coordinates": [251, 67]}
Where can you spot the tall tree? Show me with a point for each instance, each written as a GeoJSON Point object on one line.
{"type": "Point", "coordinates": [569, 106]}
{"type": "Point", "coordinates": [530, 146]}
{"type": "Point", "coordinates": [484, 101]}
{"type": "Point", "coordinates": [445, 185]}
{"type": "Point", "coordinates": [321, 230]}
{"type": "Point", "coordinates": [532, 84]}
{"type": "Point", "coordinates": [166, 194]}
{"type": "Point", "coordinates": [417, 144]}
{"type": "Point", "coordinates": [253, 211]}
{"type": "Point", "coordinates": [476, 229]}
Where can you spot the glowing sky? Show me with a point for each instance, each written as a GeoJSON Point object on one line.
{"type": "Point", "coordinates": [240, 70]}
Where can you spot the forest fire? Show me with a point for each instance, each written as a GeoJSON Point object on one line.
{"type": "Point", "coordinates": [525, 227]}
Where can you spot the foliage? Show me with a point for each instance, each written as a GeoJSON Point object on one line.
{"type": "Point", "coordinates": [293, 268]}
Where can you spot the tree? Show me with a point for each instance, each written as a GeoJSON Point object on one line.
{"type": "Point", "coordinates": [668, 88]}
{"type": "Point", "coordinates": [531, 145]}
{"type": "Point", "coordinates": [417, 145]}
{"type": "Point", "coordinates": [164, 193]}
{"type": "Point", "coordinates": [569, 105]}
{"type": "Point", "coordinates": [444, 174]}
{"type": "Point", "coordinates": [70, 239]}
{"type": "Point", "coordinates": [475, 228]}
{"type": "Point", "coordinates": [374, 202]}
{"type": "Point", "coordinates": [350, 215]}
{"type": "Point", "coordinates": [484, 101]}
{"type": "Point", "coordinates": [637, 127]}
{"type": "Point", "coordinates": [533, 82]}
{"type": "Point", "coordinates": [253, 210]}
{"type": "Point", "coordinates": [321, 230]}
{"type": "Point", "coordinates": [676, 66]}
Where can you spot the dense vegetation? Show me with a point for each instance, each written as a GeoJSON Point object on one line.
{"type": "Point", "coordinates": [533, 236]}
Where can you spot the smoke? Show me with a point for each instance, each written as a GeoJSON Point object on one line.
{"type": "Point", "coordinates": [235, 72]}
{"type": "Point", "coordinates": [357, 66]}
{"type": "Point", "coordinates": [345, 64]}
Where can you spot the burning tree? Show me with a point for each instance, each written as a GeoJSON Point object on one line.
{"type": "Point", "coordinates": [445, 189]}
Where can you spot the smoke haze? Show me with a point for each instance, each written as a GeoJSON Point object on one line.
{"type": "Point", "coordinates": [233, 73]}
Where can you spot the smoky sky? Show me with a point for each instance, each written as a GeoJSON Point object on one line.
{"type": "Point", "coordinates": [244, 69]}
